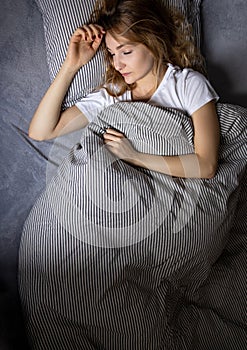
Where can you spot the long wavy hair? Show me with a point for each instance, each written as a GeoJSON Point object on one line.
{"type": "Point", "coordinates": [166, 33]}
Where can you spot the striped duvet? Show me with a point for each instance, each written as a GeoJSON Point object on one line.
{"type": "Point", "coordinates": [113, 256]}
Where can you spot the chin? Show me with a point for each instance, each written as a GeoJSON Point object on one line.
{"type": "Point", "coordinates": [129, 80]}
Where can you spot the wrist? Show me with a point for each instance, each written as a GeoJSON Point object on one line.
{"type": "Point", "coordinates": [68, 69]}
{"type": "Point", "coordinates": [136, 158]}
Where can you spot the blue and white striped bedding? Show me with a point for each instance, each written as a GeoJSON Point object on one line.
{"type": "Point", "coordinates": [113, 256]}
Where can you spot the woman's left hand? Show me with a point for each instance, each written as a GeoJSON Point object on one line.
{"type": "Point", "coordinates": [119, 145]}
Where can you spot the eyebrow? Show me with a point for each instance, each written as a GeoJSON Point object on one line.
{"type": "Point", "coordinates": [120, 46]}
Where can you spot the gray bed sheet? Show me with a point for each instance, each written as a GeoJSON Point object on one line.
{"type": "Point", "coordinates": [23, 162]}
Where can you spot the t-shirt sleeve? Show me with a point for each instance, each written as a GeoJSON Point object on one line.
{"type": "Point", "coordinates": [197, 92]}
{"type": "Point", "coordinates": [94, 103]}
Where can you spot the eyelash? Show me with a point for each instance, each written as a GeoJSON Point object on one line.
{"type": "Point", "coordinates": [125, 53]}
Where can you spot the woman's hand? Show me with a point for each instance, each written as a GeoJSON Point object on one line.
{"type": "Point", "coordinates": [83, 45]}
{"type": "Point", "coordinates": [120, 146]}
{"type": "Point", "coordinates": [200, 164]}
{"type": "Point", "coordinates": [48, 121]}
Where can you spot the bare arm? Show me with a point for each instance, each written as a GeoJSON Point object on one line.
{"type": "Point", "coordinates": [201, 164]}
{"type": "Point", "coordinates": [48, 121]}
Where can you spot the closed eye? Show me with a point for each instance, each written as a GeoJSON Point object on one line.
{"type": "Point", "coordinates": [125, 53]}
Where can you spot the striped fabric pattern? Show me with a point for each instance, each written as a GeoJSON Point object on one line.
{"type": "Point", "coordinates": [61, 18]}
{"type": "Point", "coordinates": [116, 257]}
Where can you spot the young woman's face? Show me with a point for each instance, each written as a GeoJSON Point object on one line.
{"type": "Point", "coordinates": [133, 60]}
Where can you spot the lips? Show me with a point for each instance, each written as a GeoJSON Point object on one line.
{"type": "Point", "coordinates": [125, 74]}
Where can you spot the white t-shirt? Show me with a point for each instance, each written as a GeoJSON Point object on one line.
{"type": "Point", "coordinates": [184, 89]}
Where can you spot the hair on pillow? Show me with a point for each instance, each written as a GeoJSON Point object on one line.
{"type": "Point", "coordinates": [61, 18]}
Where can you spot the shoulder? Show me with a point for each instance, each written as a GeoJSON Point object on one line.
{"type": "Point", "coordinates": [193, 88]}
{"type": "Point", "coordinates": [185, 75]}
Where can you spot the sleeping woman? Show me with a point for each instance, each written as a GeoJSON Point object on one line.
{"type": "Point", "coordinates": [123, 236]}
{"type": "Point", "coordinates": [149, 59]}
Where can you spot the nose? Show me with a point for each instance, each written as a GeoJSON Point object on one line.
{"type": "Point", "coordinates": [118, 64]}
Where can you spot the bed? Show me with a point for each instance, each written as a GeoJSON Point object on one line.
{"type": "Point", "coordinates": [28, 166]}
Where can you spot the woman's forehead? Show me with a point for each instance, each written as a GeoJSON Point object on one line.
{"type": "Point", "coordinates": [117, 41]}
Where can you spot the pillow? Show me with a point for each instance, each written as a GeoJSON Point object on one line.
{"type": "Point", "coordinates": [61, 18]}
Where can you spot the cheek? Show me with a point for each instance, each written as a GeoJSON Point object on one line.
{"type": "Point", "coordinates": [150, 58]}
{"type": "Point", "coordinates": [141, 61]}
{"type": "Point", "coordinates": [147, 58]}
{"type": "Point", "coordinates": [148, 62]}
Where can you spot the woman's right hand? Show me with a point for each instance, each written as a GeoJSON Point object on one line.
{"type": "Point", "coordinates": [83, 45]}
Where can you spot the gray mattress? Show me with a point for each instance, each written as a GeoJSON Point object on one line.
{"type": "Point", "coordinates": [24, 79]}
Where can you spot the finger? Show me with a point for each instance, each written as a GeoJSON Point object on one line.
{"type": "Point", "coordinates": [80, 34]}
{"type": "Point", "coordinates": [107, 140]}
{"type": "Point", "coordinates": [97, 31]}
{"type": "Point", "coordinates": [111, 138]}
{"type": "Point", "coordinates": [114, 132]}
{"type": "Point", "coordinates": [114, 137]}
{"type": "Point", "coordinates": [93, 32]}
{"type": "Point", "coordinates": [84, 33]}
{"type": "Point", "coordinates": [89, 33]}
{"type": "Point", "coordinates": [97, 36]}
{"type": "Point", "coordinates": [100, 28]}
{"type": "Point", "coordinates": [80, 31]}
